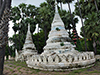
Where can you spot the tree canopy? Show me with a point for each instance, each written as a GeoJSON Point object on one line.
{"type": "Point", "coordinates": [91, 15]}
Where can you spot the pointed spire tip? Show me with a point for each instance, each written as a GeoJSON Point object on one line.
{"type": "Point", "coordinates": [28, 27]}
{"type": "Point", "coordinates": [56, 8]}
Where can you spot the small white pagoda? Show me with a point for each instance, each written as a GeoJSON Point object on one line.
{"type": "Point", "coordinates": [28, 48]}
{"type": "Point", "coordinates": [59, 54]}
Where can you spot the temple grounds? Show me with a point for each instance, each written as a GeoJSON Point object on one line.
{"type": "Point", "coordinates": [20, 68]}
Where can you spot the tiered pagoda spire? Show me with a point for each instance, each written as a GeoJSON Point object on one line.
{"type": "Point", "coordinates": [29, 45]}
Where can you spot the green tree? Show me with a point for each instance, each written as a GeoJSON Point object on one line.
{"type": "Point", "coordinates": [40, 36]}
{"type": "Point", "coordinates": [92, 28]}
{"type": "Point", "coordinates": [22, 15]}
{"type": "Point", "coordinates": [16, 44]}
{"type": "Point", "coordinates": [45, 17]}
{"type": "Point", "coordinates": [86, 7]}
{"type": "Point", "coordinates": [71, 15]}
{"type": "Point", "coordinates": [9, 51]}
{"type": "Point", "coordinates": [92, 19]}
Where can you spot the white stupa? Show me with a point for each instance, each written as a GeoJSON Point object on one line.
{"type": "Point", "coordinates": [58, 36]}
{"type": "Point", "coordinates": [59, 54]}
{"type": "Point", "coordinates": [29, 47]}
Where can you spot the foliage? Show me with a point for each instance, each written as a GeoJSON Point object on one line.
{"type": "Point", "coordinates": [21, 16]}
{"type": "Point", "coordinates": [57, 29]}
{"type": "Point", "coordinates": [10, 51]}
{"type": "Point", "coordinates": [45, 16]}
{"type": "Point", "coordinates": [98, 46]}
{"type": "Point", "coordinates": [92, 28]}
{"type": "Point", "coordinates": [18, 41]}
{"type": "Point", "coordinates": [91, 17]}
{"type": "Point", "coordinates": [80, 45]}
{"type": "Point", "coordinates": [67, 1]}
{"type": "Point", "coordinates": [38, 41]}
{"type": "Point", "coordinates": [62, 43]}
{"type": "Point", "coordinates": [87, 7]}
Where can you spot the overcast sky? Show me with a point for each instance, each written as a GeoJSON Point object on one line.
{"type": "Point", "coordinates": [37, 3]}
{"type": "Point", "coordinates": [34, 2]}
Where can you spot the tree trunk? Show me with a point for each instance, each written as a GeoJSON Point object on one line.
{"type": "Point", "coordinates": [96, 5]}
{"type": "Point", "coordinates": [69, 33]}
{"type": "Point", "coordinates": [94, 46]}
{"type": "Point", "coordinates": [4, 19]}
{"type": "Point", "coordinates": [2, 8]}
{"type": "Point", "coordinates": [15, 41]}
{"type": "Point", "coordinates": [74, 27]}
{"type": "Point", "coordinates": [3, 38]}
{"type": "Point", "coordinates": [0, 3]}
{"type": "Point", "coordinates": [61, 6]}
{"type": "Point", "coordinates": [9, 51]}
{"type": "Point", "coordinates": [19, 41]}
{"type": "Point", "coordinates": [45, 32]}
{"type": "Point", "coordinates": [2, 54]}
{"type": "Point", "coordinates": [82, 25]}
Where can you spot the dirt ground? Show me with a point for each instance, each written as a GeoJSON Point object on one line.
{"type": "Point", "coordinates": [20, 68]}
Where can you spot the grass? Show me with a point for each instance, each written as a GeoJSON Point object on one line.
{"type": "Point", "coordinates": [27, 69]}
{"type": "Point", "coordinates": [94, 71]}
{"type": "Point", "coordinates": [80, 70]}
{"type": "Point", "coordinates": [14, 74]}
{"type": "Point", "coordinates": [11, 70]}
{"type": "Point", "coordinates": [10, 66]}
{"type": "Point", "coordinates": [6, 68]}
{"type": "Point", "coordinates": [18, 68]}
{"type": "Point", "coordinates": [32, 72]}
{"type": "Point", "coordinates": [37, 70]}
{"type": "Point", "coordinates": [22, 65]}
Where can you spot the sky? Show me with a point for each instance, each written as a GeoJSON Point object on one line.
{"type": "Point", "coordinates": [37, 3]}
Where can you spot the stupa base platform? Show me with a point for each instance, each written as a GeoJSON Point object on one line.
{"type": "Point", "coordinates": [61, 62]}
{"type": "Point", "coordinates": [61, 69]}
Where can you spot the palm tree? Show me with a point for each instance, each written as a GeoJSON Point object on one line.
{"type": "Point", "coordinates": [74, 26]}
{"type": "Point", "coordinates": [44, 17]}
{"type": "Point", "coordinates": [5, 6]}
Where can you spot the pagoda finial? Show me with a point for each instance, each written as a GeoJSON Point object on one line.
{"type": "Point", "coordinates": [28, 27]}
{"type": "Point", "coordinates": [56, 8]}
